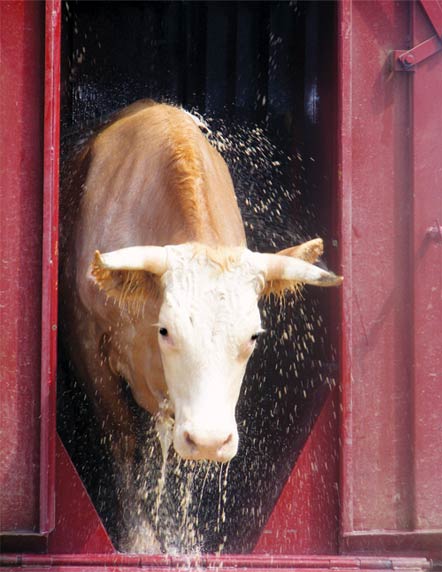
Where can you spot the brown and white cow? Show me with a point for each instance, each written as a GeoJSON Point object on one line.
{"type": "Point", "coordinates": [159, 286]}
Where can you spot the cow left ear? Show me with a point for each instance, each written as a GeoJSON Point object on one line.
{"type": "Point", "coordinates": [129, 275]}
{"type": "Point", "coordinates": [292, 267]}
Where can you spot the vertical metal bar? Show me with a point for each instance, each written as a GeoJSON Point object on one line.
{"type": "Point", "coordinates": [345, 204]}
{"type": "Point", "coordinates": [50, 265]}
{"type": "Point", "coordinates": [427, 291]}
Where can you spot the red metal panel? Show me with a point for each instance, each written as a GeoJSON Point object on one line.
{"type": "Point", "coordinates": [21, 124]}
{"type": "Point", "coordinates": [376, 205]}
{"type": "Point", "coordinates": [29, 212]}
{"type": "Point", "coordinates": [427, 251]}
{"type": "Point", "coordinates": [433, 9]}
{"type": "Point", "coordinates": [78, 529]}
{"type": "Point", "coordinates": [392, 423]}
{"type": "Point", "coordinates": [311, 490]}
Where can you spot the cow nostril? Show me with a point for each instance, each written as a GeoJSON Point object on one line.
{"type": "Point", "coordinates": [189, 439]}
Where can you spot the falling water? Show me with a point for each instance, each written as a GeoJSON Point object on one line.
{"type": "Point", "coordinates": [164, 427]}
{"type": "Point", "coordinates": [189, 507]}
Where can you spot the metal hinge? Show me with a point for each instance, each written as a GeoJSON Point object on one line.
{"type": "Point", "coordinates": [405, 60]}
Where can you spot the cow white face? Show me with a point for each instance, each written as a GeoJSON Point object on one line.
{"type": "Point", "coordinates": [207, 328]}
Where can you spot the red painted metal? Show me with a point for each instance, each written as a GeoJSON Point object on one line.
{"type": "Point", "coordinates": [50, 265]}
{"type": "Point", "coordinates": [427, 289]}
{"type": "Point", "coordinates": [391, 208]}
{"type": "Point", "coordinates": [345, 201]}
{"type": "Point", "coordinates": [78, 528]}
{"type": "Point", "coordinates": [390, 195]}
{"type": "Point", "coordinates": [21, 126]}
{"type": "Point", "coordinates": [376, 453]}
{"type": "Point", "coordinates": [406, 60]}
{"type": "Point", "coordinates": [29, 276]}
{"type": "Point", "coordinates": [433, 9]}
{"type": "Point", "coordinates": [165, 563]}
{"type": "Point", "coordinates": [312, 489]}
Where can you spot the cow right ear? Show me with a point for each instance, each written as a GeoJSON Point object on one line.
{"type": "Point", "coordinates": [130, 275]}
{"type": "Point", "coordinates": [292, 267]}
{"type": "Point", "coordinates": [309, 251]}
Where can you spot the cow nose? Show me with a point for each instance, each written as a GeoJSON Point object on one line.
{"type": "Point", "coordinates": [208, 445]}
{"type": "Point", "coordinates": [192, 441]}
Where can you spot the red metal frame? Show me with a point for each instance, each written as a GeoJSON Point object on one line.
{"type": "Point", "coordinates": [427, 286]}
{"type": "Point", "coordinates": [50, 265]}
{"type": "Point", "coordinates": [21, 120]}
{"type": "Point", "coordinates": [391, 406]}
{"type": "Point", "coordinates": [30, 163]}
{"type": "Point", "coordinates": [406, 60]}
{"type": "Point", "coordinates": [390, 150]}
{"type": "Point", "coordinates": [78, 528]}
{"type": "Point", "coordinates": [123, 562]}
{"type": "Point", "coordinates": [345, 200]}
{"type": "Point", "coordinates": [433, 9]}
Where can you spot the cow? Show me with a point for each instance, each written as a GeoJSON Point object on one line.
{"type": "Point", "coordinates": [158, 286]}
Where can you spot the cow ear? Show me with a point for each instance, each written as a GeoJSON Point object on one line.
{"type": "Point", "coordinates": [292, 267]}
{"type": "Point", "coordinates": [309, 251]}
{"type": "Point", "coordinates": [150, 258]}
{"type": "Point", "coordinates": [129, 287]}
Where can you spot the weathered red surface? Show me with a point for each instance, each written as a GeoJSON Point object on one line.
{"type": "Point", "coordinates": [427, 283]}
{"type": "Point", "coordinates": [78, 529]}
{"type": "Point", "coordinates": [121, 562]}
{"type": "Point", "coordinates": [390, 180]}
{"type": "Point", "coordinates": [390, 193]}
{"type": "Point", "coordinates": [30, 131]}
{"type": "Point", "coordinates": [50, 265]}
{"type": "Point", "coordinates": [21, 167]}
{"type": "Point", "coordinates": [311, 490]}
{"type": "Point", "coordinates": [376, 460]}
{"type": "Point", "coordinates": [433, 9]}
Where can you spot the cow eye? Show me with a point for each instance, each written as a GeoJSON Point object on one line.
{"type": "Point", "coordinates": [256, 335]}
{"type": "Point", "coordinates": [163, 332]}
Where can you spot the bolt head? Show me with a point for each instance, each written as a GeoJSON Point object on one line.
{"type": "Point", "coordinates": [407, 60]}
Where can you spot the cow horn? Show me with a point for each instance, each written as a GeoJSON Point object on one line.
{"type": "Point", "coordinates": [149, 258]}
{"type": "Point", "coordinates": [280, 267]}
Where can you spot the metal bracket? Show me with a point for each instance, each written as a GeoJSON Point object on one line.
{"type": "Point", "coordinates": [406, 60]}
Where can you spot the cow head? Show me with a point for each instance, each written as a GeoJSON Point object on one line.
{"type": "Point", "coordinates": [207, 326]}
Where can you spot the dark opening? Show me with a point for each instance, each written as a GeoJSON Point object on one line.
{"type": "Point", "coordinates": [262, 73]}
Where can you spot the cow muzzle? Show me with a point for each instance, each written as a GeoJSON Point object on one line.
{"type": "Point", "coordinates": [198, 441]}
